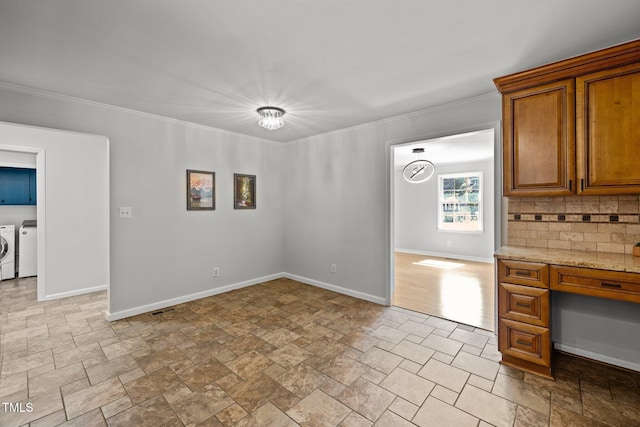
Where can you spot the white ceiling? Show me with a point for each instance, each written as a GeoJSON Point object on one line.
{"type": "Point", "coordinates": [461, 148]}
{"type": "Point", "coordinates": [331, 64]}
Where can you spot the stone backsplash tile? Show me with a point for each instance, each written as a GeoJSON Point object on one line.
{"type": "Point", "coordinates": [590, 223]}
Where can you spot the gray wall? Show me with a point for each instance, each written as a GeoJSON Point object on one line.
{"type": "Point", "coordinates": [322, 200]}
{"type": "Point", "coordinates": [416, 216]}
{"type": "Point", "coordinates": [165, 254]}
{"type": "Point", "coordinates": [597, 328]}
{"type": "Point", "coordinates": [338, 195]}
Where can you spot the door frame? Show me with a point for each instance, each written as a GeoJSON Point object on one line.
{"type": "Point", "coordinates": [499, 201]}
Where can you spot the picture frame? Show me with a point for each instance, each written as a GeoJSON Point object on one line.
{"type": "Point", "coordinates": [201, 190]}
{"type": "Point", "coordinates": [244, 191]}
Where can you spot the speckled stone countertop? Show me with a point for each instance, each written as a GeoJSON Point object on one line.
{"type": "Point", "coordinates": [599, 260]}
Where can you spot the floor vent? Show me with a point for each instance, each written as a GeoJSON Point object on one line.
{"type": "Point", "coordinates": [166, 310]}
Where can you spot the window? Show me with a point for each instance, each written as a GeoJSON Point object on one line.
{"type": "Point", "coordinates": [460, 202]}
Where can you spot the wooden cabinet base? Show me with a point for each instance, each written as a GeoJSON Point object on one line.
{"type": "Point", "coordinates": [523, 365]}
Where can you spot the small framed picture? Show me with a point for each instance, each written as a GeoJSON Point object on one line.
{"type": "Point", "coordinates": [244, 191]}
{"type": "Point", "coordinates": [201, 190]}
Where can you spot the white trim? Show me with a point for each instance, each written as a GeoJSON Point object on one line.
{"type": "Point", "coordinates": [338, 289]}
{"type": "Point", "coordinates": [111, 316]}
{"type": "Point", "coordinates": [446, 255]}
{"type": "Point", "coordinates": [597, 356]}
{"type": "Point", "coordinates": [74, 293]}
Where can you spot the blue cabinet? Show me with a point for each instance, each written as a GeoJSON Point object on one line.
{"type": "Point", "coordinates": [17, 186]}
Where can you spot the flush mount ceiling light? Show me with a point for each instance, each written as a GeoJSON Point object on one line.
{"type": "Point", "coordinates": [271, 117]}
{"type": "Point", "coordinates": [419, 170]}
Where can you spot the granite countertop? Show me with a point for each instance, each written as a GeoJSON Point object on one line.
{"type": "Point", "coordinates": [599, 260]}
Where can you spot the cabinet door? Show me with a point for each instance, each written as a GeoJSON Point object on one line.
{"type": "Point", "coordinates": [608, 131]}
{"type": "Point", "coordinates": [539, 140]}
{"type": "Point", "coordinates": [17, 186]}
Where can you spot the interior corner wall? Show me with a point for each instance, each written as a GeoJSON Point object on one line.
{"type": "Point", "coordinates": [338, 205]}
{"type": "Point", "coordinates": [416, 216]}
{"type": "Point", "coordinates": [165, 254]}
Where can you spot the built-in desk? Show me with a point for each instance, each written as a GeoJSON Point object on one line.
{"type": "Point", "coordinates": [524, 281]}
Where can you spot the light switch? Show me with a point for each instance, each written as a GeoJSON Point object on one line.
{"type": "Point", "coordinates": [126, 212]}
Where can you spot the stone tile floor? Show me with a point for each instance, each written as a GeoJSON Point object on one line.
{"type": "Point", "coordinates": [279, 354]}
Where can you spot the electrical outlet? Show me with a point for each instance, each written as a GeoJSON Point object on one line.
{"type": "Point", "coordinates": [216, 271]}
{"type": "Point", "coordinates": [334, 269]}
{"type": "Point", "coordinates": [126, 212]}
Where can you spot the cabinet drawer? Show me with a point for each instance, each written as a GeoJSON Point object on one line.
{"type": "Point", "coordinates": [524, 304]}
{"type": "Point", "coordinates": [526, 342]}
{"type": "Point", "coordinates": [524, 273]}
{"type": "Point", "coordinates": [598, 283]}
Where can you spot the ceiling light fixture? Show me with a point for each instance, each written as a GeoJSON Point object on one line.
{"type": "Point", "coordinates": [271, 117]}
{"type": "Point", "coordinates": [418, 170]}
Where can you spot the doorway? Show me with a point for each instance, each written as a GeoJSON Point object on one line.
{"type": "Point", "coordinates": [73, 226]}
{"type": "Point", "coordinates": [445, 229]}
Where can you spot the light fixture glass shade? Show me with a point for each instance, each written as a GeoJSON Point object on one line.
{"type": "Point", "coordinates": [418, 171]}
{"type": "Point", "coordinates": [271, 117]}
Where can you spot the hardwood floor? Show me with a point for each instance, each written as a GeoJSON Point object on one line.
{"type": "Point", "coordinates": [462, 291]}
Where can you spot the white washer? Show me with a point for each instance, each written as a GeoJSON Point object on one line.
{"type": "Point", "coordinates": [7, 252]}
{"type": "Point", "coordinates": [28, 249]}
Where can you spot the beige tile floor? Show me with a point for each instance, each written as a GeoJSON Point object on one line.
{"type": "Point", "coordinates": [279, 354]}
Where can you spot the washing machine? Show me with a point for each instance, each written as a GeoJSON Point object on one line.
{"type": "Point", "coordinates": [7, 252]}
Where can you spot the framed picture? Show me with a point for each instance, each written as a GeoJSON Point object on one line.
{"type": "Point", "coordinates": [244, 191]}
{"type": "Point", "coordinates": [201, 190]}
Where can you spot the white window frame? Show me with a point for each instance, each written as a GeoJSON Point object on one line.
{"type": "Point", "coordinates": [447, 227]}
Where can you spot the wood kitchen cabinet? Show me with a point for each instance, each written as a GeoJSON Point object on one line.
{"type": "Point", "coordinates": [539, 142]}
{"type": "Point", "coordinates": [524, 287]}
{"type": "Point", "coordinates": [571, 127]}
{"type": "Point", "coordinates": [524, 336]}
{"type": "Point", "coordinates": [608, 131]}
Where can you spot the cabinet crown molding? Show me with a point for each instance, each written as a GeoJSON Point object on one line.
{"type": "Point", "coordinates": [623, 54]}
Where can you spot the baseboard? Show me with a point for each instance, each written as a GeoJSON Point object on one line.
{"type": "Point", "coordinates": [76, 292]}
{"type": "Point", "coordinates": [111, 316]}
{"type": "Point", "coordinates": [634, 366]}
{"type": "Point", "coordinates": [446, 255]}
{"type": "Point", "coordinates": [338, 289]}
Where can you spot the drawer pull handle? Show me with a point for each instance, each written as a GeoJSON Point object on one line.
{"type": "Point", "coordinates": [611, 285]}
{"type": "Point", "coordinates": [523, 273]}
{"type": "Point", "coordinates": [520, 304]}
{"type": "Point", "coordinates": [525, 343]}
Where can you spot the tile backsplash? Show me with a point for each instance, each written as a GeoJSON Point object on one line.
{"type": "Point", "coordinates": [589, 223]}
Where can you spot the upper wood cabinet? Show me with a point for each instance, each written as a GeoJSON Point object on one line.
{"type": "Point", "coordinates": [538, 140]}
{"type": "Point", "coordinates": [570, 127]}
{"type": "Point", "coordinates": [608, 131]}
